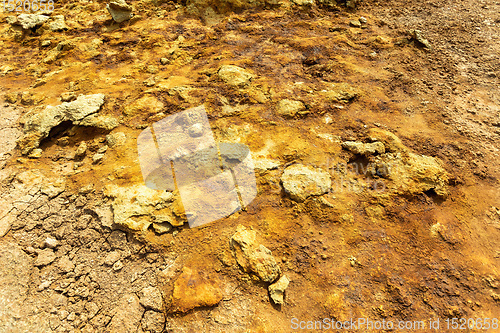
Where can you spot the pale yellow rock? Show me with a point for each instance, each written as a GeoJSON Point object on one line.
{"type": "Point", "coordinates": [136, 207]}
{"type": "Point", "coordinates": [409, 173]}
{"type": "Point", "coordinates": [341, 92]}
{"type": "Point", "coordinates": [290, 108]}
{"type": "Point", "coordinates": [277, 289]}
{"type": "Point", "coordinates": [301, 181]}
{"type": "Point", "coordinates": [235, 76]}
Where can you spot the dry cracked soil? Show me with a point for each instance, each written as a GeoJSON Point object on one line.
{"type": "Point", "coordinates": [374, 131]}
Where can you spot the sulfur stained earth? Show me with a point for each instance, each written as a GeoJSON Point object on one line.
{"type": "Point", "coordinates": [406, 229]}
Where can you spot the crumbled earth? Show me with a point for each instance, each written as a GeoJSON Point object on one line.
{"type": "Point", "coordinates": [374, 130]}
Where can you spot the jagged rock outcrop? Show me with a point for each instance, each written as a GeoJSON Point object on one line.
{"type": "Point", "coordinates": [37, 125]}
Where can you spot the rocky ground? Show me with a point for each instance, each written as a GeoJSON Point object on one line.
{"type": "Point", "coordinates": [374, 128]}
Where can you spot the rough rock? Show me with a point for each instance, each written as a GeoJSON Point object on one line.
{"type": "Point", "coordinates": [50, 242]}
{"type": "Point", "coordinates": [391, 142]}
{"type": "Point", "coordinates": [97, 158]}
{"type": "Point", "coordinates": [341, 92]}
{"type": "Point", "coordinates": [5, 224]}
{"type": "Point", "coordinates": [45, 257]}
{"type": "Point", "coordinates": [120, 11]}
{"type": "Point", "coordinates": [11, 98]}
{"type": "Point", "coordinates": [65, 264]}
{"type": "Point", "coordinates": [361, 148]}
{"type": "Point", "coordinates": [112, 257]}
{"type": "Point", "coordinates": [81, 150]}
{"type": "Point", "coordinates": [118, 265]}
{"type": "Point", "coordinates": [153, 321]}
{"type": "Point", "coordinates": [116, 139]}
{"type": "Point", "coordinates": [235, 76]}
{"type": "Point", "coordinates": [252, 257]}
{"type": "Point", "coordinates": [29, 21]}
{"type": "Point", "coordinates": [162, 228]}
{"type": "Point", "coordinates": [419, 38]}
{"type": "Point", "coordinates": [410, 173]}
{"type": "Point", "coordinates": [57, 23]}
{"type": "Point", "coordinates": [127, 315]}
{"type": "Point", "coordinates": [355, 24]}
{"type": "Point", "coordinates": [195, 288]}
{"type": "Point", "coordinates": [290, 108]}
{"type": "Point", "coordinates": [303, 2]}
{"type": "Point", "coordinates": [277, 289]}
{"type": "Point", "coordinates": [210, 10]}
{"type": "Point", "coordinates": [136, 207]}
{"type": "Point", "coordinates": [67, 96]}
{"type": "Point", "coordinates": [37, 125]}
{"type": "Point", "coordinates": [352, 3]}
{"type": "Point", "coordinates": [54, 187]}
{"type": "Point", "coordinates": [150, 298]}
{"type": "Point", "coordinates": [27, 98]}
{"type": "Point", "coordinates": [104, 122]}
{"type": "Point", "coordinates": [301, 181]}
{"type": "Point", "coordinates": [36, 153]}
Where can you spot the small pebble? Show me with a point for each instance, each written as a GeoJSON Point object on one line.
{"type": "Point", "coordinates": [102, 150]}
{"type": "Point", "coordinates": [36, 153]}
{"type": "Point", "coordinates": [117, 265]}
{"type": "Point", "coordinates": [50, 242]}
{"type": "Point", "coordinates": [97, 158]}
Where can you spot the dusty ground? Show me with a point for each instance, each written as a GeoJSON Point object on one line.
{"type": "Point", "coordinates": [360, 254]}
